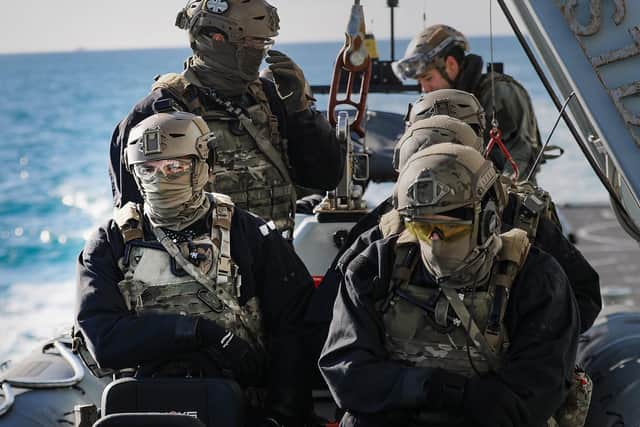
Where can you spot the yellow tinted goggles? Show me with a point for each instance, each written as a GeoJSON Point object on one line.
{"type": "Point", "coordinates": [425, 231]}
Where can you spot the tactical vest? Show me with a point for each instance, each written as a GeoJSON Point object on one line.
{"type": "Point", "coordinates": [154, 283]}
{"type": "Point", "coordinates": [255, 174]}
{"type": "Point", "coordinates": [423, 329]}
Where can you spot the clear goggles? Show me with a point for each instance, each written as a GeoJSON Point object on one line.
{"type": "Point", "coordinates": [416, 65]}
{"type": "Point", "coordinates": [170, 168]}
{"type": "Point", "coordinates": [412, 67]}
{"type": "Point", "coordinates": [439, 228]}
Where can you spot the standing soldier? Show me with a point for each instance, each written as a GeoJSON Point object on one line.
{"type": "Point", "coordinates": [268, 137]}
{"type": "Point", "coordinates": [437, 57]}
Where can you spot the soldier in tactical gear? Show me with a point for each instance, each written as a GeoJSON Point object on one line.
{"type": "Point", "coordinates": [450, 323]}
{"type": "Point", "coordinates": [269, 139]}
{"type": "Point", "coordinates": [437, 57]}
{"type": "Point", "coordinates": [187, 284]}
{"type": "Point", "coordinates": [528, 207]}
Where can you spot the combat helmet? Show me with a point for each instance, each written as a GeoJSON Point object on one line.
{"type": "Point", "coordinates": [168, 136]}
{"type": "Point", "coordinates": [433, 130]}
{"type": "Point", "coordinates": [428, 50]}
{"type": "Point", "coordinates": [236, 19]}
{"type": "Point", "coordinates": [452, 180]}
{"type": "Point", "coordinates": [450, 102]}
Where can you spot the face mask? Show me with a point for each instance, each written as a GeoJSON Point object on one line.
{"type": "Point", "coordinates": [223, 66]}
{"type": "Point", "coordinates": [173, 202]}
{"type": "Point", "coordinates": [459, 262]}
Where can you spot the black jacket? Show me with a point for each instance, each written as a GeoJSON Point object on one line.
{"type": "Point", "coordinates": [584, 280]}
{"type": "Point", "coordinates": [270, 270]}
{"type": "Point", "coordinates": [316, 158]}
{"type": "Point", "coordinates": [541, 316]}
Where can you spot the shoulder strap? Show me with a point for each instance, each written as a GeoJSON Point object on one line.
{"type": "Point", "coordinates": [509, 261]}
{"type": "Point", "coordinates": [404, 263]}
{"type": "Point", "coordinates": [181, 86]}
{"type": "Point", "coordinates": [128, 220]}
{"type": "Point", "coordinates": [391, 223]}
{"type": "Point", "coordinates": [469, 324]}
{"type": "Point", "coordinates": [222, 216]}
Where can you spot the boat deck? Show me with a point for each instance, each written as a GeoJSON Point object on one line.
{"type": "Point", "coordinates": [610, 250]}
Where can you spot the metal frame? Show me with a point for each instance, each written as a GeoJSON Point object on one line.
{"type": "Point", "coordinates": [606, 135]}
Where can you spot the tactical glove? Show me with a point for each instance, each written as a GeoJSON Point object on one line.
{"type": "Point", "coordinates": [231, 352]}
{"type": "Point", "coordinates": [289, 80]}
{"type": "Point", "coordinates": [490, 403]}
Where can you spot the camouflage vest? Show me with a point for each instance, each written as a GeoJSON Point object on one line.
{"type": "Point", "coordinates": [251, 164]}
{"type": "Point", "coordinates": [423, 329]}
{"type": "Point", "coordinates": [154, 283]}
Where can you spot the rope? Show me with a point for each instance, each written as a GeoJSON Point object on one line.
{"type": "Point", "coordinates": [494, 120]}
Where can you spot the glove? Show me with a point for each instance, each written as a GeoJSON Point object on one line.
{"type": "Point", "coordinates": [231, 352]}
{"type": "Point", "coordinates": [289, 80]}
{"type": "Point", "coordinates": [490, 403]}
{"type": "Point", "coordinates": [444, 390]}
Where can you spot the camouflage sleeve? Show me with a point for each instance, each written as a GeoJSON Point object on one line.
{"type": "Point", "coordinates": [354, 361]}
{"type": "Point", "coordinates": [117, 337]}
{"type": "Point", "coordinates": [516, 120]}
{"type": "Point", "coordinates": [542, 322]}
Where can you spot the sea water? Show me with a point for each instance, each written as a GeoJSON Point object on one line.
{"type": "Point", "coordinates": [57, 113]}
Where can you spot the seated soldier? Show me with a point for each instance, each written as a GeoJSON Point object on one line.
{"type": "Point", "coordinates": [450, 323]}
{"type": "Point", "coordinates": [539, 220]}
{"type": "Point", "coordinates": [187, 285]}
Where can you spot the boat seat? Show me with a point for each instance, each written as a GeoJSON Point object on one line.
{"type": "Point", "coordinates": [149, 420]}
{"type": "Point", "coordinates": [215, 402]}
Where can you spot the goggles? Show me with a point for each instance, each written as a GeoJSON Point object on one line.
{"type": "Point", "coordinates": [445, 229]}
{"type": "Point", "coordinates": [170, 168]}
{"type": "Point", "coordinates": [416, 65]}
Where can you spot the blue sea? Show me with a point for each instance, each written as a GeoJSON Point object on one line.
{"type": "Point", "coordinates": [57, 113]}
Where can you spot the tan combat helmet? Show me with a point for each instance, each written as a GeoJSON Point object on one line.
{"type": "Point", "coordinates": [237, 19]}
{"type": "Point", "coordinates": [430, 131]}
{"type": "Point", "coordinates": [168, 136]}
{"type": "Point", "coordinates": [427, 50]}
{"type": "Point", "coordinates": [450, 102]}
{"type": "Point", "coordinates": [446, 178]}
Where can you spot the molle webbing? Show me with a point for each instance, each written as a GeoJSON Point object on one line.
{"type": "Point", "coordinates": [266, 139]}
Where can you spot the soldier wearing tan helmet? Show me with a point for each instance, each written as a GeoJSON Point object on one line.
{"type": "Point", "coordinates": [438, 58]}
{"type": "Point", "coordinates": [269, 138]}
{"type": "Point", "coordinates": [186, 284]}
{"type": "Point", "coordinates": [451, 323]}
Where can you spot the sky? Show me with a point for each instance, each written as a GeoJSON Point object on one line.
{"type": "Point", "coordinates": [64, 25]}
